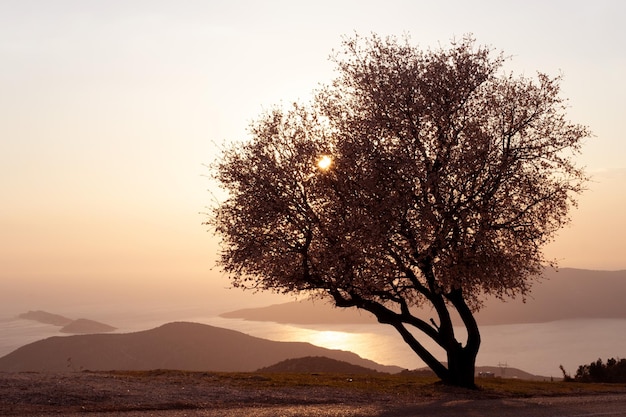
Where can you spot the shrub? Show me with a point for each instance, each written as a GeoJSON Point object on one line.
{"type": "Point", "coordinates": [613, 371]}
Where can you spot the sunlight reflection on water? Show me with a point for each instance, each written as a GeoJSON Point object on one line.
{"type": "Point", "coordinates": [538, 348]}
{"type": "Point", "coordinates": [370, 341]}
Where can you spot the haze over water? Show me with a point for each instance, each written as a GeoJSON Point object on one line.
{"type": "Point", "coordinates": [109, 111]}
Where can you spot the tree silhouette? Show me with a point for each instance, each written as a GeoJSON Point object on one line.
{"type": "Point", "coordinates": [416, 178]}
{"type": "Point", "coordinates": [613, 371]}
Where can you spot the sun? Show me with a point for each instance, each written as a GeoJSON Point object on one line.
{"type": "Point", "coordinates": [325, 162]}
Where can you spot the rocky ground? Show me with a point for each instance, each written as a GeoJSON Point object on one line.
{"type": "Point", "coordinates": [186, 394]}
{"type": "Point", "coordinates": [30, 393]}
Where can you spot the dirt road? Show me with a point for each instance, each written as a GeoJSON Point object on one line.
{"type": "Point", "coordinates": [588, 406]}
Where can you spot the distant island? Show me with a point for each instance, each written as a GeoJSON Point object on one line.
{"type": "Point", "coordinates": [563, 295]}
{"type": "Point", "coordinates": [46, 318]}
{"type": "Point", "coordinates": [79, 326]}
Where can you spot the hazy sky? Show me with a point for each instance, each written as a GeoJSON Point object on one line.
{"type": "Point", "coordinates": [109, 109]}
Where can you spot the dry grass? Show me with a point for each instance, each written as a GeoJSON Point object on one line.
{"type": "Point", "coordinates": [398, 385]}
{"type": "Point", "coordinates": [32, 393]}
{"type": "Point", "coordinates": [523, 388]}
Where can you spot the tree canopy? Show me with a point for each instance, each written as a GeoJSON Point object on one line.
{"type": "Point", "coordinates": [416, 178]}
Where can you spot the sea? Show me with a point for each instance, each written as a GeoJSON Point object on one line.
{"type": "Point", "coordinates": [537, 348]}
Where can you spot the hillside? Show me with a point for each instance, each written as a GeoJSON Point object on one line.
{"type": "Point", "coordinates": [562, 295]}
{"type": "Point", "coordinates": [488, 372]}
{"type": "Point", "coordinates": [318, 364]}
{"type": "Point", "coordinates": [182, 346]}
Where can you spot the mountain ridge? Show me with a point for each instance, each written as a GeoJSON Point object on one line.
{"type": "Point", "coordinates": [568, 293]}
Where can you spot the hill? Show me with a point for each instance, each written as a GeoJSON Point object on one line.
{"type": "Point", "coordinates": [566, 294]}
{"type": "Point", "coordinates": [317, 364]}
{"type": "Point", "coordinates": [85, 326]}
{"type": "Point", "coordinates": [181, 346]}
{"type": "Point", "coordinates": [507, 372]}
{"type": "Point", "coordinates": [487, 372]}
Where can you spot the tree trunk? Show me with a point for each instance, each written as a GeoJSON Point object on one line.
{"type": "Point", "coordinates": [460, 370]}
{"type": "Point", "coordinates": [462, 359]}
{"type": "Point", "coordinates": [461, 367]}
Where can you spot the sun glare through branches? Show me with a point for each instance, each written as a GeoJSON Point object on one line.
{"type": "Point", "coordinates": [324, 162]}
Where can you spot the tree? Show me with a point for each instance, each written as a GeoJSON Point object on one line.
{"type": "Point", "coordinates": [416, 178]}
{"type": "Point", "coordinates": [613, 371]}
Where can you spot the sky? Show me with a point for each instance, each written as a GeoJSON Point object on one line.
{"type": "Point", "coordinates": [110, 112]}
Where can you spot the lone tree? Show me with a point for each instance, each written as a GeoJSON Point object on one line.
{"type": "Point", "coordinates": [417, 178]}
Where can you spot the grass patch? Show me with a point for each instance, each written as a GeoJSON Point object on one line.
{"type": "Point", "coordinates": [523, 388]}
{"type": "Point", "coordinates": [400, 385]}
